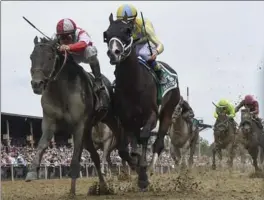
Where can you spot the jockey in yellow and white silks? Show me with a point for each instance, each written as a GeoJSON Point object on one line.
{"type": "Point", "coordinates": [141, 35]}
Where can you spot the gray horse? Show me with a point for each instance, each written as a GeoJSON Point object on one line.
{"type": "Point", "coordinates": [68, 103]}
{"type": "Point", "coordinates": [184, 136]}
{"type": "Point", "coordinates": [251, 136]}
{"type": "Point", "coordinates": [105, 140]}
{"type": "Point", "coordinates": [224, 138]}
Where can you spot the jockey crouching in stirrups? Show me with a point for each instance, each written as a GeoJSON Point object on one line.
{"type": "Point", "coordinates": [141, 35]}
{"type": "Point", "coordinates": [224, 106]}
{"type": "Point", "coordinates": [78, 41]}
{"type": "Point", "coordinates": [186, 112]}
{"type": "Point", "coordinates": [253, 106]}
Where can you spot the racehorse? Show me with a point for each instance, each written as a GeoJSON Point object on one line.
{"type": "Point", "coordinates": [68, 102]}
{"type": "Point", "coordinates": [252, 136]}
{"type": "Point", "coordinates": [224, 138]}
{"type": "Point", "coordinates": [105, 140]}
{"type": "Point", "coordinates": [138, 95]}
{"type": "Point", "coordinates": [183, 136]}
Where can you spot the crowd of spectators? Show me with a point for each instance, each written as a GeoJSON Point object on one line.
{"type": "Point", "coordinates": [21, 157]}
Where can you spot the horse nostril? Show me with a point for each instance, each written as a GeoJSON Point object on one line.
{"type": "Point", "coordinates": [117, 51]}
{"type": "Point", "coordinates": [36, 83]}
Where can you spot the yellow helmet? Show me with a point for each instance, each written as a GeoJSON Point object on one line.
{"type": "Point", "coordinates": [223, 102]}
{"type": "Point", "coordinates": [129, 9]}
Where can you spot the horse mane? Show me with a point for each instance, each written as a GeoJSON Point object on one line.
{"type": "Point", "coordinates": [73, 68]}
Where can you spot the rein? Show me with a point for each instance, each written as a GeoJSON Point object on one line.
{"type": "Point", "coordinates": [53, 75]}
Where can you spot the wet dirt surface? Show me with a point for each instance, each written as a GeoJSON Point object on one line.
{"type": "Point", "coordinates": [201, 183]}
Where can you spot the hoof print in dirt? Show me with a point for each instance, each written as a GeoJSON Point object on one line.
{"type": "Point", "coordinates": [97, 189]}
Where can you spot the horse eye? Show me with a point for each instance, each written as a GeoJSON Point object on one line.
{"type": "Point", "coordinates": [105, 36]}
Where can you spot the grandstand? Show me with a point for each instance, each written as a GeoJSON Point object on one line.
{"type": "Point", "coordinates": [25, 130]}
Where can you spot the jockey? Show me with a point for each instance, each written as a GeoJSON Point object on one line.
{"type": "Point", "coordinates": [186, 111]}
{"type": "Point", "coordinates": [78, 41]}
{"type": "Point", "coordinates": [226, 107]}
{"type": "Point", "coordinates": [141, 36]}
{"type": "Point", "coordinates": [253, 105]}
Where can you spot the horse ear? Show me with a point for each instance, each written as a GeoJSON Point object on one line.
{"type": "Point", "coordinates": [36, 40]}
{"type": "Point", "coordinates": [111, 18]}
{"type": "Point", "coordinates": [125, 17]}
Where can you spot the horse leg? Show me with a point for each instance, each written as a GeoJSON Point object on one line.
{"type": "Point", "coordinates": [253, 151]}
{"type": "Point", "coordinates": [76, 156]}
{"type": "Point", "coordinates": [121, 139]}
{"type": "Point", "coordinates": [165, 122]}
{"type": "Point", "coordinates": [192, 151]}
{"type": "Point", "coordinates": [106, 152]}
{"type": "Point", "coordinates": [214, 153]}
{"type": "Point", "coordinates": [184, 151]}
{"type": "Point", "coordinates": [178, 158]}
{"type": "Point", "coordinates": [242, 158]}
{"type": "Point", "coordinates": [143, 141]}
{"type": "Point", "coordinates": [95, 158]}
{"type": "Point", "coordinates": [230, 149]}
{"type": "Point", "coordinates": [172, 153]}
{"type": "Point", "coordinates": [48, 130]}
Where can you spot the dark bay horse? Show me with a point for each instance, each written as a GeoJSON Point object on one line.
{"type": "Point", "coordinates": [68, 103]}
{"type": "Point", "coordinates": [224, 138]}
{"type": "Point", "coordinates": [135, 98]}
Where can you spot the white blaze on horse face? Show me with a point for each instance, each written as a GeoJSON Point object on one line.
{"type": "Point", "coordinates": [116, 48]}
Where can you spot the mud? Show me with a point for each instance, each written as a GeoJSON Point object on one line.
{"type": "Point", "coordinates": [200, 183]}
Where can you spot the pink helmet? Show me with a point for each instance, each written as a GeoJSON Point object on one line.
{"type": "Point", "coordinates": [65, 26]}
{"type": "Point", "coordinates": [249, 99]}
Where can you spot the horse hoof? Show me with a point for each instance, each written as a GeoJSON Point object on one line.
{"type": "Point", "coordinates": [31, 176]}
{"type": "Point", "coordinates": [101, 189]}
{"type": "Point", "coordinates": [143, 184]}
{"type": "Point", "coordinates": [213, 167]}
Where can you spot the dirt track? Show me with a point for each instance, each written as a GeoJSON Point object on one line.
{"type": "Point", "coordinates": [206, 184]}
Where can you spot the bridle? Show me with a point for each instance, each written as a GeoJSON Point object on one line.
{"type": "Point", "coordinates": [125, 48]}
{"type": "Point", "coordinates": [53, 74]}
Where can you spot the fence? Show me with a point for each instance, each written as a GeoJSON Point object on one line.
{"type": "Point", "coordinates": [15, 172]}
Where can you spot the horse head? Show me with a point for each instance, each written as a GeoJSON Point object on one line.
{"type": "Point", "coordinates": [177, 111]}
{"type": "Point", "coordinates": [44, 59]}
{"type": "Point", "coordinates": [221, 126]}
{"type": "Point", "coordinates": [246, 120]}
{"type": "Point", "coordinates": [119, 39]}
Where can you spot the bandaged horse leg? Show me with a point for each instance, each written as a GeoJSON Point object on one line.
{"type": "Point", "coordinates": [184, 151]}
{"type": "Point", "coordinates": [106, 153]}
{"type": "Point", "coordinates": [165, 122]}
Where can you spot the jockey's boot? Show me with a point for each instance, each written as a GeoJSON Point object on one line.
{"type": "Point", "coordinates": [157, 69]}
{"type": "Point", "coordinates": [99, 89]}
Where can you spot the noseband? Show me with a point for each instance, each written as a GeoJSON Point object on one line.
{"type": "Point", "coordinates": [125, 48]}
{"type": "Point", "coordinates": [53, 75]}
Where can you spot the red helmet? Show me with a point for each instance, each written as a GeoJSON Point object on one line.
{"type": "Point", "coordinates": [65, 26]}
{"type": "Point", "coordinates": [249, 99]}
